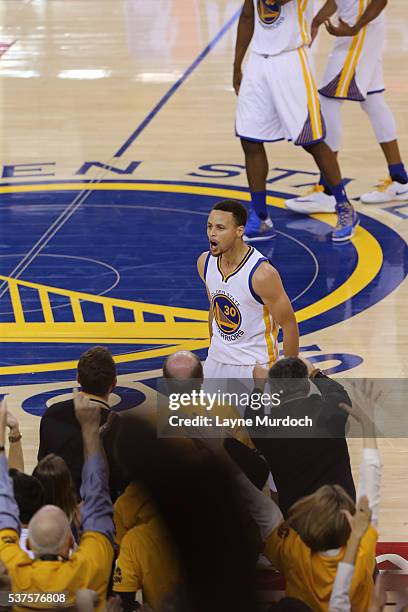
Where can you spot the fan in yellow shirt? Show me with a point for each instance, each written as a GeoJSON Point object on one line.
{"type": "Point", "coordinates": [53, 569]}
{"type": "Point", "coordinates": [148, 562]}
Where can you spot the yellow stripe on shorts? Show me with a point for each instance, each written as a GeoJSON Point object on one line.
{"type": "Point", "coordinates": [313, 103]}
{"type": "Point", "coordinates": [301, 5]}
{"type": "Point", "coordinates": [352, 58]}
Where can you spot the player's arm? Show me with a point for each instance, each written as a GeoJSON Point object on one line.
{"type": "Point", "coordinates": [200, 268]}
{"type": "Point", "coordinates": [268, 286]}
{"type": "Point", "coordinates": [327, 10]}
{"type": "Point", "coordinates": [344, 29]}
{"type": "Point", "coordinates": [244, 35]}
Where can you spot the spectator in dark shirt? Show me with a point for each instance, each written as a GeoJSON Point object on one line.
{"type": "Point", "coordinates": [300, 465]}
{"type": "Point", "coordinates": [60, 432]}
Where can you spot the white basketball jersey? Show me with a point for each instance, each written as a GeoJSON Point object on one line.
{"type": "Point", "coordinates": [351, 10]}
{"type": "Point", "coordinates": [243, 329]}
{"type": "Point", "coordinates": [281, 28]}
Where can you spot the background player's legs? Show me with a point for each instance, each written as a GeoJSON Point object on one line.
{"type": "Point", "coordinates": [383, 123]}
{"type": "Point", "coordinates": [328, 165]}
{"type": "Point", "coordinates": [256, 164]}
{"type": "Point", "coordinates": [331, 111]}
{"type": "Point", "coordinates": [320, 198]}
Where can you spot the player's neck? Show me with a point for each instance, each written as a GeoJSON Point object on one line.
{"type": "Point", "coordinates": [233, 257]}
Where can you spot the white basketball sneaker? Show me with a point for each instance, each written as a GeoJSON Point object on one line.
{"type": "Point", "coordinates": [388, 191]}
{"type": "Point", "coordinates": [315, 201]}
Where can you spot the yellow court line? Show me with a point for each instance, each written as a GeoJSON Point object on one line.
{"type": "Point", "coordinates": [191, 345]}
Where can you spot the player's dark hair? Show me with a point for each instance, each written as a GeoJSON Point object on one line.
{"type": "Point", "coordinates": [28, 493]}
{"type": "Point", "coordinates": [289, 376]}
{"type": "Point", "coordinates": [238, 210]}
{"type": "Point", "coordinates": [96, 371]}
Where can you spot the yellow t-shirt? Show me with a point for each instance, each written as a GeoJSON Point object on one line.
{"type": "Point", "coordinates": [147, 561]}
{"type": "Point", "coordinates": [310, 576]}
{"type": "Point", "coordinates": [89, 567]}
{"type": "Point", "coordinates": [131, 508]}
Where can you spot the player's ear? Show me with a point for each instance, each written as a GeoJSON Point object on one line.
{"type": "Point", "coordinates": [240, 230]}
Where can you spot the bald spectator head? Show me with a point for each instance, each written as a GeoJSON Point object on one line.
{"type": "Point", "coordinates": [183, 372]}
{"type": "Point", "coordinates": [49, 532]}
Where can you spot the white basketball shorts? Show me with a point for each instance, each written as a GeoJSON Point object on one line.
{"type": "Point", "coordinates": [355, 69]}
{"type": "Point", "coordinates": [278, 99]}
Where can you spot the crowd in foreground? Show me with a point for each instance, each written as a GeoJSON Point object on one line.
{"type": "Point", "coordinates": [114, 517]}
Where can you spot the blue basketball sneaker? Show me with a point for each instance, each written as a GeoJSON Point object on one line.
{"type": "Point", "coordinates": [347, 221]}
{"type": "Point", "coordinates": [258, 229]}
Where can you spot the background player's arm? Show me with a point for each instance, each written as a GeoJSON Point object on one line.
{"type": "Point", "coordinates": [244, 35]}
{"type": "Point", "coordinates": [344, 29]}
{"type": "Point", "coordinates": [327, 10]}
{"type": "Point", "coordinates": [267, 284]}
{"type": "Point", "coordinates": [200, 268]}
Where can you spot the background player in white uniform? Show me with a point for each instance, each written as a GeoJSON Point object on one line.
{"type": "Point", "coordinates": [278, 99]}
{"type": "Point", "coordinates": [247, 300]}
{"type": "Point", "coordinates": [355, 72]}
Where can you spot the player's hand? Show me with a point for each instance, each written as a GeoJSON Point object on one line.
{"type": "Point", "coordinates": [342, 29]}
{"type": "Point", "coordinates": [314, 30]}
{"type": "Point", "coordinates": [259, 373]}
{"type": "Point", "coordinates": [237, 78]}
{"type": "Point", "coordinates": [360, 521]}
{"type": "Point", "coordinates": [87, 412]}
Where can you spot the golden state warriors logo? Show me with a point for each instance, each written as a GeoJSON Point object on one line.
{"type": "Point", "coordinates": [94, 297]}
{"type": "Point", "coordinates": [226, 314]}
{"type": "Point", "coordinates": [268, 11]}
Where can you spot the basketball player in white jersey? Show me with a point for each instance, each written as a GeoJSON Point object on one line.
{"type": "Point", "coordinates": [278, 99]}
{"type": "Point", "coordinates": [355, 72]}
{"type": "Point", "coordinates": [247, 300]}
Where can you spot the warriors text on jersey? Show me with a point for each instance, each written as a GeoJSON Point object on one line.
{"type": "Point", "coordinates": [243, 329]}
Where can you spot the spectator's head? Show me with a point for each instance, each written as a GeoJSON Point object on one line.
{"type": "Point", "coordinates": [289, 377]}
{"type": "Point", "coordinates": [97, 371]}
{"type": "Point", "coordinates": [55, 477]}
{"type": "Point", "coordinates": [319, 518]}
{"type": "Point", "coordinates": [183, 372]}
{"type": "Point", "coordinates": [49, 533]}
{"type": "Point", "coordinates": [28, 493]}
{"type": "Point", "coordinates": [225, 225]}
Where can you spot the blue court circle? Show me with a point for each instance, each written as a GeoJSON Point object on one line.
{"type": "Point", "coordinates": [152, 237]}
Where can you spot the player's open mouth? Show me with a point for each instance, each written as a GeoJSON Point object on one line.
{"type": "Point", "coordinates": [213, 245]}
